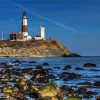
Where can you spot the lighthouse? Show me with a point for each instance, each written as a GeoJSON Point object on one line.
{"type": "Point", "coordinates": [24, 26]}
{"type": "Point", "coordinates": [23, 35]}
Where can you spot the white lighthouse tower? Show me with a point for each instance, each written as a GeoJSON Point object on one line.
{"type": "Point", "coordinates": [42, 32]}
{"type": "Point", "coordinates": [24, 26]}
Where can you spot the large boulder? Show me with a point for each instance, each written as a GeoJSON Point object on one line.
{"type": "Point", "coordinates": [72, 76]}
{"type": "Point", "coordinates": [89, 65]}
{"type": "Point", "coordinates": [40, 75]}
{"type": "Point", "coordinates": [97, 97]}
{"type": "Point", "coordinates": [97, 83]}
{"type": "Point", "coordinates": [67, 67]}
{"type": "Point", "coordinates": [50, 91]}
{"type": "Point", "coordinates": [85, 83]}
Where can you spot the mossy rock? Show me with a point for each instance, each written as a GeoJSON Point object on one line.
{"type": "Point", "coordinates": [72, 99]}
{"type": "Point", "coordinates": [34, 87]}
{"type": "Point", "coordinates": [7, 90]}
{"type": "Point", "coordinates": [15, 89]}
{"type": "Point", "coordinates": [22, 81]}
{"type": "Point", "coordinates": [23, 84]}
{"type": "Point", "coordinates": [49, 90]}
{"type": "Point", "coordinates": [5, 79]}
{"type": "Point", "coordinates": [25, 87]}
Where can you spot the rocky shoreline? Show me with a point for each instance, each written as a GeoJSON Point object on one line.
{"type": "Point", "coordinates": [44, 48]}
{"type": "Point", "coordinates": [23, 83]}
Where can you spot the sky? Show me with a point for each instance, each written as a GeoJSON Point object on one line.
{"type": "Point", "coordinates": [75, 23]}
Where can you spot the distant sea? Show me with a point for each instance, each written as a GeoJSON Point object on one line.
{"type": "Point", "coordinates": [91, 74]}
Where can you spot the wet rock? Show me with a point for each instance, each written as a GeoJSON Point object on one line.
{"type": "Point", "coordinates": [1, 73]}
{"type": "Point", "coordinates": [33, 95]}
{"type": "Point", "coordinates": [87, 96]}
{"type": "Point", "coordinates": [19, 74]}
{"type": "Point", "coordinates": [69, 95]}
{"type": "Point", "coordinates": [32, 62]}
{"type": "Point", "coordinates": [16, 80]}
{"type": "Point", "coordinates": [68, 76]}
{"type": "Point", "coordinates": [91, 92]}
{"type": "Point", "coordinates": [16, 62]}
{"type": "Point", "coordinates": [5, 66]}
{"type": "Point", "coordinates": [40, 78]}
{"type": "Point", "coordinates": [3, 63]}
{"type": "Point", "coordinates": [22, 85]}
{"type": "Point", "coordinates": [85, 83]}
{"type": "Point", "coordinates": [67, 67]}
{"type": "Point", "coordinates": [45, 64]}
{"type": "Point", "coordinates": [73, 96]}
{"type": "Point", "coordinates": [50, 91]}
{"type": "Point", "coordinates": [16, 92]}
{"type": "Point", "coordinates": [97, 83]}
{"type": "Point", "coordinates": [97, 97]}
{"type": "Point", "coordinates": [34, 88]}
{"type": "Point", "coordinates": [57, 67]}
{"type": "Point", "coordinates": [27, 70]}
{"type": "Point", "coordinates": [15, 89]}
{"type": "Point", "coordinates": [5, 79]}
{"type": "Point", "coordinates": [16, 69]}
{"type": "Point", "coordinates": [82, 90]}
{"type": "Point", "coordinates": [40, 71]}
{"type": "Point", "coordinates": [39, 67]}
{"type": "Point", "coordinates": [78, 68]}
{"type": "Point", "coordinates": [72, 76]}
{"type": "Point", "coordinates": [51, 76]}
{"type": "Point", "coordinates": [89, 65]}
{"type": "Point", "coordinates": [40, 75]}
{"type": "Point", "coordinates": [63, 75]}
{"type": "Point", "coordinates": [48, 69]}
{"type": "Point", "coordinates": [11, 73]}
{"type": "Point", "coordinates": [7, 91]}
{"type": "Point", "coordinates": [65, 88]}
{"type": "Point", "coordinates": [97, 76]}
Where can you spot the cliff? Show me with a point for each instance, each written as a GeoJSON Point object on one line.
{"type": "Point", "coordinates": [43, 48]}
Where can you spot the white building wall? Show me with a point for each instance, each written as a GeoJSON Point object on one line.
{"type": "Point", "coordinates": [38, 38]}
{"type": "Point", "coordinates": [25, 33]}
{"type": "Point", "coordinates": [42, 32]}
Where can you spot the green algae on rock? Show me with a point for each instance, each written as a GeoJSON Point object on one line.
{"type": "Point", "coordinates": [50, 91]}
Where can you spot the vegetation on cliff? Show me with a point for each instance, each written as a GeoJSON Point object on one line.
{"type": "Point", "coordinates": [41, 48]}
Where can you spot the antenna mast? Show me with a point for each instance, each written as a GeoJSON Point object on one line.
{"type": "Point", "coordinates": [2, 35]}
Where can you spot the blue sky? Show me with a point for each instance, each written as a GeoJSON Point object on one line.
{"type": "Point", "coordinates": [76, 23]}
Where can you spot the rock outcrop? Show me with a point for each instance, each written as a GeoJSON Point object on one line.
{"type": "Point", "coordinates": [43, 48]}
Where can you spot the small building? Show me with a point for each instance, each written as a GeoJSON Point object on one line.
{"type": "Point", "coordinates": [16, 36]}
{"type": "Point", "coordinates": [41, 35]}
{"type": "Point", "coordinates": [42, 32]}
{"type": "Point", "coordinates": [38, 38]}
{"type": "Point", "coordinates": [13, 36]}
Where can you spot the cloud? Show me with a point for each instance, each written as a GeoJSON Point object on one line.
{"type": "Point", "coordinates": [45, 18]}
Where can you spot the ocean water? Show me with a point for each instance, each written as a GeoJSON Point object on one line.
{"type": "Point", "coordinates": [91, 74]}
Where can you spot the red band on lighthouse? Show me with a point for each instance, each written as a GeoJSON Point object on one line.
{"type": "Point", "coordinates": [24, 25]}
